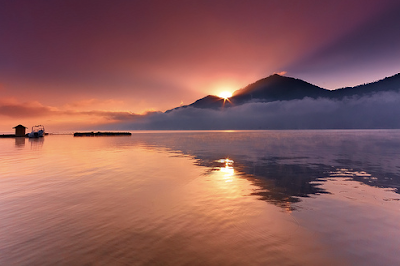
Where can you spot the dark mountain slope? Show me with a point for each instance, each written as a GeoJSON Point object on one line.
{"type": "Point", "coordinates": [210, 101]}
{"type": "Point", "coordinates": [272, 88]}
{"type": "Point", "coordinates": [278, 88]}
{"type": "Point", "coordinates": [281, 88]}
{"type": "Point", "coordinates": [387, 84]}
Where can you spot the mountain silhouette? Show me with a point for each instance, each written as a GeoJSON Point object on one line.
{"type": "Point", "coordinates": [282, 88]}
{"type": "Point", "coordinates": [387, 84]}
{"type": "Point", "coordinates": [278, 88]}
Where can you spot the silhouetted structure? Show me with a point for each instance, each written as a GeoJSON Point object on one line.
{"type": "Point", "coordinates": [20, 130]}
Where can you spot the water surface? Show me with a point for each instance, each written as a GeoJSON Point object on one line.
{"type": "Point", "coordinates": [202, 198]}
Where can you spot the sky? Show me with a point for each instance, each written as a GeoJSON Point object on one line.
{"type": "Point", "coordinates": [88, 64]}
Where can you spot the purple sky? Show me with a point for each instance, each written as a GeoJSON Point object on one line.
{"type": "Point", "coordinates": [71, 62]}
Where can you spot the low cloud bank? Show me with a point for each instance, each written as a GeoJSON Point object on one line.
{"type": "Point", "coordinates": [380, 110]}
{"type": "Point", "coordinates": [17, 110]}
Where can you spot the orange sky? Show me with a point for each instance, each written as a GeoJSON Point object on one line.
{"type": "Point", "coordinates": [66, 64]}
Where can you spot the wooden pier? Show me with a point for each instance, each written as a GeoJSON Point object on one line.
{"type": "Point", "coordinates": [11, 136]}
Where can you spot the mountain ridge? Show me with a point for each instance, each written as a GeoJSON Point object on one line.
{"type": "Point", "coordinates": [282, 88]}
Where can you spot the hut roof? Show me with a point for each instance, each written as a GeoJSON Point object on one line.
{"type": "Point", "coordinates": [19, 126]}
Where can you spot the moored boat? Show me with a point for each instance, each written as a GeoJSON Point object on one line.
{"type": "Point", "coordinates": [37, 132]}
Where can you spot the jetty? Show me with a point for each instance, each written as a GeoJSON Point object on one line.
{"type": "Point", "coordinates": [11, 136]}
{"type": "Point", "coordinates": [95, 134]}
{"type": "Point", "coordinates": [19, 132]}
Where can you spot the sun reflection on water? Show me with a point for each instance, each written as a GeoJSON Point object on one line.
{"type": "Point", "coordinates": [227, 169]}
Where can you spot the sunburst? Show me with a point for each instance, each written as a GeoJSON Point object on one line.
{"type": "Point", "coordinates": [225, 95]}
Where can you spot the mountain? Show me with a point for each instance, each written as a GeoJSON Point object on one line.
{"type": "Point", "coordinates": [278, 88]}
{"type": "Point", "coordinates": [282, 88]}
{"type": "Point", "coordinates": [387, 84]}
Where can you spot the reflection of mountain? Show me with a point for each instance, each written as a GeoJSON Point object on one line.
{"type": "Point", "coordinates": [280, 88]}
{"type": "Point", "coordinates": [288, 165]}
{"type": "Point", "coordinates": [279, 183]}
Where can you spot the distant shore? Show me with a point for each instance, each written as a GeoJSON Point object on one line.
{"type": "Point", "coordinates": [89, 134]}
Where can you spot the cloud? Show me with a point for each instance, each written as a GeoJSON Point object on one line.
{"type": "Point", "coordinates": [282, 73]}
{"type": "Point", "coordinates": [14, 109]}
{"type": "Point", "coordinates": [377, 111]}
{"type": "Point", "coordinates": [94, 102]}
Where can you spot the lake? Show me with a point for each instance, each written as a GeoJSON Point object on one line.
{"type": "Point", "coordinates": [327, 197]}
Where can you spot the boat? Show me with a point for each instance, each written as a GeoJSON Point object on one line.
{"type": "Point", "coordinates": [37, 132]}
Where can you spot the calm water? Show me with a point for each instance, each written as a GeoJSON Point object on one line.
{"type": "Point", "coordinates": [202, 198]}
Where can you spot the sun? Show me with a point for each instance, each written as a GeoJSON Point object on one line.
{"type": "Point", "coordinates": [225, 95]}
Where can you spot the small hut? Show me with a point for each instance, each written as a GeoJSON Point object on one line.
{"type": "Point", "coordinates": [20, 131]}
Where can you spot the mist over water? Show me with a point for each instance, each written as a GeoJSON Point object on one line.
{"type": "Point", "coordinates": [202, 198]}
